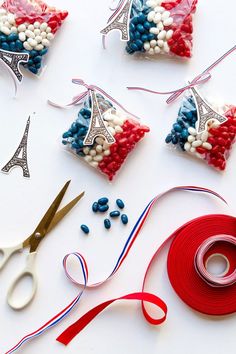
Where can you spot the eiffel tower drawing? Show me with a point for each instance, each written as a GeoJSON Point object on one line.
{"type": "Point", "coordinates": [16, 160]}
{"type": "Point", "coordinates": [12, 61]}
{"type": "Point", "coordinates": [97, 126]}
{"type": "Point", "coordinates": [120, 22]}
{"type": "Point", "coordinates": [205, 112]}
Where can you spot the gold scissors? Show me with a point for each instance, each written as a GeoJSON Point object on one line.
{"type": "Point", "coordinates": [47, 223]}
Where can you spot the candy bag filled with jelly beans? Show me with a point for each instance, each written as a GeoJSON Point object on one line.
{"type": "Point", "coordinates": [29, 26]}
{"type": "Point", "coordinates": [161, 27]}
{"type": "Point", "coordinates": [213, 145]}
{"type": "Point", "coordinates": [107, 158]}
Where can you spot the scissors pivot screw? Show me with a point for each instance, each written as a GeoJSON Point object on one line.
{"type": "Point", "coordinates": [38, 235]}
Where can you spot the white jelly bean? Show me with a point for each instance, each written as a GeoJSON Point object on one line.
{"type": "Point", "coordinates": [92, 152]}
{"type": "Point", "coordinates": [118, 121]}
{"type": "Point", "coordinates": [151, 51]}
{"type": "Point", "coordinates": [45, 42]}
{"type": "Point", "coordinates": [153, 43]}
{"type": "Point", "coordinates": [29, 34]}
{"type": "Point", "coordinates": [160, 26]}
{"type": "Point", "coordinates": [27, 46]}
{"type": "Point", "coordinates": [165, 15]}
{"type": "Point", "coordinates": [187, 146]}
{"type": "Point", "coordinates": [37, 32]}
{"type": "Point", "coordinates": [14, 29]}
{"type": "Point", "coordinates": [161, 35]}
{"type": "Point", "coordinates": [200, 156]}
{"type": "Point", "coordinates": [159, 9]}
{"type": "Point", "coordinates": [5, 30]}
{"type": "Point", "coordinates": [11, 19]}
{"type": "Point", "coordinates": [106, 146]}
{"type": "Point", "coordinates": [43, 26]}
{"type": "Point", "coordinates": [146, 46]}
{"type": "Point", "coordinates": [98, 158]}
{"type": "Point", "coordinates": [157, 50]}
{"type": "Point", "coordinates": [22, 28]}
{"type": "Point", "coordinates": [22, 36]}
{"type": "Point", "coordinates": [192, 131]}
{"type": "Point", "coordinates": [169, 34]}
{"type": "Point", "coordinates": [118, 129]}
{"type": "Point", "coordinates": [168, 21]}
{"type": "Point", "coordinates": [94, 164]}
{"type": "Point", "coordinates": [196, 143]}
{"type": "Point", "coordinates": [157, 18]}
{"type": "Point", "coordinates": [191, 138]}
{"type": "Point", "coordinates": [204, 136]}
{"type": "Point", "coordinates": [111, 130]}
{"type": "Point", "coordinates": [4, 18]}
{"type": "Point", "coordinates": [38, 39]}
{"type": "Point", "coordinates": [50, 36]}
{"type": "Point", "coordinates": [32, 42]}
{"type": "Point", "coordinates": [193, 150]}
{"type": "Point", "coordinates": [151, 16]}
{"type": "Point", "coordinates": [86, 150]}
{"type": "Point", "coordinates": [48, 30]}
{"type": "Point", "coordinates": [150, 3]}
{"type": "Point", "coordinates": [43, 34]}
{"type": "Point", "coordinates": [207, 146]}
{"type": "Point", "coordinates": [7, 24]}
{"type": "Point", "coordinates": [160, 43]}
{"type": "Point", "coordinates": [154, 30]}
{"type": "Point", "coordinates": [36, 24]}
{"type": "Point", "coordinates": [99, 140]}
{"type": "Point", "coordinates": [107, 152]}
{"type": "Point", "coordinates": [99, 148]}
{"type": "Point", "coordinates": [88, 158]}
{"type": "Point", "coordinates": [39, 47]}
{"type": "Point", "coordinates": [31, 28]}
{"type": "Point", "coordinates": [166, 47]}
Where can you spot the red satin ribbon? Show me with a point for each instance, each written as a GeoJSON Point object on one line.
{"type": "Point", "coordinates": [191, 287]}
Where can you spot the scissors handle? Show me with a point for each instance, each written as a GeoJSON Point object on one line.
{"type": "Point", "coordinates": [28, 271]}
{"type": "Point", "coordinates": [7, 252]}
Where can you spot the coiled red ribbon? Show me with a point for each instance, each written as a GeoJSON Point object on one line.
{"type": "Point", "coordinates": [191, 246]}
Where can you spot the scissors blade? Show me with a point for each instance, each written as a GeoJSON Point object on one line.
{"type": "Point", "coordinates": [42, 228]}
{"type": "Point", "coordinates": [64, 211]}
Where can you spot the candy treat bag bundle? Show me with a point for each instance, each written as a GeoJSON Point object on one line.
{"type": "Point", "coordinates": [29, 26]}
{"type": "Point", "coordinates": [153, 27]}
{"type": "Point", "coordinates": [104, 133]}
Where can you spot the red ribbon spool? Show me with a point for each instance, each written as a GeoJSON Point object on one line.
{"type": "Point", "coordinates": [195, 289]}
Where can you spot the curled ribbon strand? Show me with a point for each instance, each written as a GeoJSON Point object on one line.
{"type": "Point", "coordinates": [79, 99]}
{"type": "Point", "coordinates": [198, 80]}
{"type": "Point", "coordinates": [138, 296]}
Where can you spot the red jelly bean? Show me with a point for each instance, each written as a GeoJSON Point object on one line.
{"type": "Point", "coordinates": [201, 150]}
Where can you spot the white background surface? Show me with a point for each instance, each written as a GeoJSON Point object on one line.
{"type": "Point", "coordinates": [152, 168]}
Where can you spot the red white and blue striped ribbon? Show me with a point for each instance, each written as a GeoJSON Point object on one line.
{"type": "Point", "coordinates": [132, 237]}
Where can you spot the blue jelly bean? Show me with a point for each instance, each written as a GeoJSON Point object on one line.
{"type": "Point", "coordinates": [151, 36]}
{"type": "Point", "coordinates": [19, 45]}
{"type": "Point", "coordinates": [139, 43]}
{"type": "Point", "coordinates": [177, 127]}
{"type": "Point", "coordinates": [137, 35]}
{"type": "Point", "coordinates": [3, 38]}
{"type": "Point", "coordinates": [147, 25]}
{"type": "Point", "coordinates": [134, 47]}
{"type": "Point", "coordinates": [43, 51]}
{"type": "Point", "coordinates": [103, 208]}
{"type": "Point", "coordinates": [82, 131]}
{"type": "Point", "coordinates": [144, 38]}
{"type": "Point", "coordinates": [141, 18]}
{"type": "Point", "coordinates": [38, 65]}
{"type": "Point", "coordinates": [64, 142]}
{"type": "Point", "coordinates": [37, 59]}
{"type": "Point", "coordinates": [67, 135]}
{"type": "Point", "coordinates": [12, 37]}
{"type": "Point", "coordinates": [184, 134]}
{"type": "Point", "coordinates": [135, 20]}
{"type": "Point", "coordinates": [12, 46]}
{"type": "Point", "coordinates": [120, 203]}
{"type": "Point", "coordinates": [5, 46]}
{"type": "Point", "coordinates": [33, 53]}
{"type": "Point", "coordinates": [74, 128]}
{"type": "Point", "coordinates": [132, 27]}
{"type": "Point", "coordinates": [124, 219]}
{"type": "Point", "coordinates": [107, 224]}
{"type": "Point", "coordinates": [140, 28]}
{"type": "Point", "coordinates": [103, 201]}
{"type": "Point", "coordinates": [33, 69]}
{"type": "Point", "coordinates": [74, 145]}
{"type": "Point", "coordinates": [85, 229]}
{"type": "Point", "coordinates": [168, 138]}
{"type": "Point", "coordinates": [114, 214]}
{"type": "Point", "coordinates": [95, 207]}
{"type": "Point", "coordinates": [132, 35]}
{"type": "Point", "coordinates": [175, 139]}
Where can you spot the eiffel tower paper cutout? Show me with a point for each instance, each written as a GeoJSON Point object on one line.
{"type": "Point", "coordinates": [12, 61]}
{"type": "Point", "coordinates": [97, 126]}
{"type": "Point", "coordinates": [120, 22]}
{"type": "Point", "coordinates": [205, 112]}
{"type": "Point", "coordinates": [16, 159]}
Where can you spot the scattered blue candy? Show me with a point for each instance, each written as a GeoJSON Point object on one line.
{"type": "Point", "coordinates": [103, 208]}
{"type": "Point", "coordinates": [103, 201]}
{"type": "Point", "coordinates": [107, 224]}
{"type": "Point", "coordinates": [120, 203]}
{"type": "Point", "coordinates": [114, 214]}
{"type": "Point", "coordinates": [85, 229]}
{"type": "Point", "coordinates": [95, 207]}
{"type": "Point", "coordinates": [124, 219]}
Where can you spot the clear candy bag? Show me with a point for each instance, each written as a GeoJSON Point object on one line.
{"type": "Point", "coordinates": [214, 142]}
{"type": "Point", "coordinates": [156, 26]}
{"type": "Point", "coordinates": [103, 156]}
{"type": "Point", "coordinates": [29, 26]}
